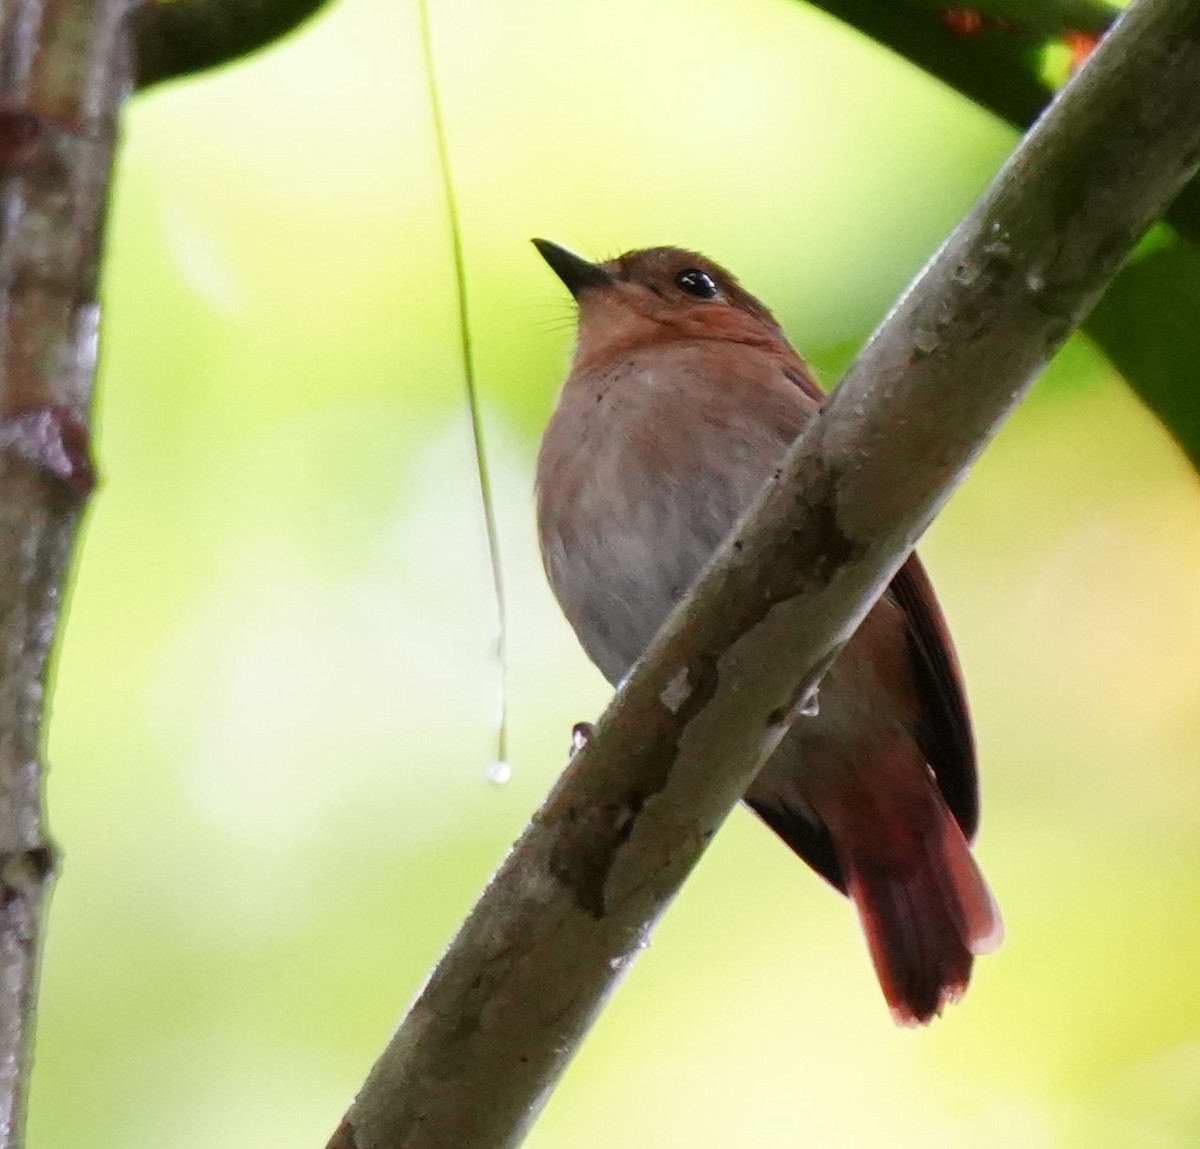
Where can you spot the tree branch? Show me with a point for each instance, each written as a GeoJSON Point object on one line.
{"type": "Point", "coordinates": [509, 1003]}
{"type": "Point", "coordinates": [177, 38]}
{"type": "Point", "coordinates": [994, 59]}
{"type": "Point", "coordinates": [996, 62]}
{"type": "Point", "coordinates": [64, 69]}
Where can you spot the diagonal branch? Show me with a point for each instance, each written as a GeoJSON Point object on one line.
{"type": "Point", "coordinates": [992, 53]}
{"type": "Point", "coordinates": [508, 1005]}
{"type": "Point", "coordinates": [181, 37]}
{"type": "Point", "coordinates": [64, 69]}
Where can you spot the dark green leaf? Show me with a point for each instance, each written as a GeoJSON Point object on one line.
{"type": "Point", "coordinates": [1148, 324]}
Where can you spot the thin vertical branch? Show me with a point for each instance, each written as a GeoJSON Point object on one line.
{"type": "Point", "coordinates": [64, 69]}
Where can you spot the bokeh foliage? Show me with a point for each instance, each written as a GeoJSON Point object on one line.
{"type": "Point", "coordinates": [273, 717]}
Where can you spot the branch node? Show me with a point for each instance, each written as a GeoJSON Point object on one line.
{"type": "Point", "coordinates": [56, 440]}
{"type": "Point", "coordinates": [25, 873]}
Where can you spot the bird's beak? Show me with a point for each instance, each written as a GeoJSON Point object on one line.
{"type": "Point", "coordinates": [574, 271]}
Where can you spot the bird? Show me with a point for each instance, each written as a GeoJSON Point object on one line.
{"type": "Point", "coordinates": [683, 397]}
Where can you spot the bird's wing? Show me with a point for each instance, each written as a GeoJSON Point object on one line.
{"type": "Point", "coordinates": [944, 729]}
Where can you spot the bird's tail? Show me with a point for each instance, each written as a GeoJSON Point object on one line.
{"type": "Point", "coordinates": [925, 907]}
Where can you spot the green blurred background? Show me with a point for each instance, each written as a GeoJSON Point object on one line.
{"type": "Point", "coordinates": [274, 713]}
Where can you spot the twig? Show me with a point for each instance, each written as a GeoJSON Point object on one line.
{"type": "Point", "coordinates": [181, 37]}
{"type": "Point", "coordinates": [64, 69]}
{"type": "Point", "coordinates": [510, 1002]}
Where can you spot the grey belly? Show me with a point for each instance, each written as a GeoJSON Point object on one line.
{"type": "Point", "coordinates": [618, 586]}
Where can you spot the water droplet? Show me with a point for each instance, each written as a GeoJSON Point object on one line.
{"type": "Point", "coordinates": [810, 707]}
{"type": "Point", "coordinates": [998, 248]}
{"type": "Point", "coordinates": [997, 244]}
{"type": "Point", "coordinates": [581, 732]}
{"type": "Point", "coordinates": [499, 773]}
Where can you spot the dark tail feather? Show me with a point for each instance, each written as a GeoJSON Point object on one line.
{"type": "Point", "coordinates": [925, 920]}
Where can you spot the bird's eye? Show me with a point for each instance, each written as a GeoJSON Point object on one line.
{"type": "Point", "coordinates": [697, 283]}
